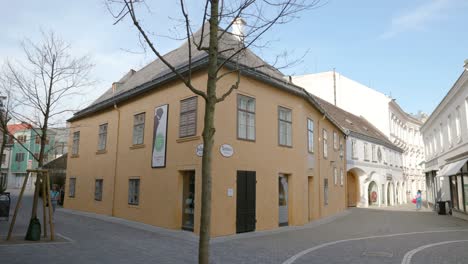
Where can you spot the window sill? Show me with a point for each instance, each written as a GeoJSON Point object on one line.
{"type": "Point", "coordinates": [74, 156]}
{"type": "Point", "coordinates": [101, 152]}
{"type": "Point", "coordinates": [186, 139]}
{"type": "Point", "coordinates": [137, 206]}
{"type": "Point", "coordinates": [245, 139]}
{"type": "Point", "coordinates": [137, 146]}
{"type": "Point", "coordinates": [285, 146]}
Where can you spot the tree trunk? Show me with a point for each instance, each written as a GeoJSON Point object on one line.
{"type": "Point", "coordinates": [208, 138]}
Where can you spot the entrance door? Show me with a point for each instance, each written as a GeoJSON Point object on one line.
{"type": "Point", "coordinates": [188, 201]}
{"type": "Point", "coordinates": [283, 200]}
{"type": "Point", "coordinates": [352, 186]}
{"type": "Point", "coordinates": [246, 185]}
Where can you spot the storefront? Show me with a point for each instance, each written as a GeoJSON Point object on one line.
{"type": "Point", "coordinates": [458, 174]}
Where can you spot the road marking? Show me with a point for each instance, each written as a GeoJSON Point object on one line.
{"type": "Point", "coordinates": [410, 254]}
{"type": "Point", "coordinates": [307, 251]}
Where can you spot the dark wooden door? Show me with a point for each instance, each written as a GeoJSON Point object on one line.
{"type": "Point", "coordinates": [246, 185]}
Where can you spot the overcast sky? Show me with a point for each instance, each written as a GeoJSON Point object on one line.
{"type": "Point", "coordinates": [413, 50]}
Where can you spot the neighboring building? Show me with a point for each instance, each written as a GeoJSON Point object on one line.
{"type": "Point", "coordinates": [374, 173]}
{"type": "Point", "coordinates": [381, 111]}
{"type": "Point", "coordinates": [57, 170]}
{"type": "Point", "coordinates": [446, 145]}
{"type": "Point", "coordinates": [60, 142]}
{"type": "Point", "coordinates": [21, 158]}
{"type": "Point", "coordinates": [135, 152]}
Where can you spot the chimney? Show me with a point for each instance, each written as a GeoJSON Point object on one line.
{"type": "Point", "coordinates": [115, 86]}
{"type": "Point", "coordinates": [238, 28]}
{"type": "Point", "coordinates": [466, 65]}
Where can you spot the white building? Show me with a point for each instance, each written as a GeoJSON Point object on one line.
{"type": "Point", "coordinates": [374, 164]}
{"type": "Point", "coordinates": [446, 145]}
{"type": "Point", "coordinates": [381, 111]}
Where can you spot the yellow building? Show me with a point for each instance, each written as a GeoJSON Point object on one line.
{"type": "Point", "coordinates": [278, 156]}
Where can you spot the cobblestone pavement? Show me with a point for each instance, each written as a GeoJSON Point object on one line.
{"type": "Point", "coordinates": [375, 235]}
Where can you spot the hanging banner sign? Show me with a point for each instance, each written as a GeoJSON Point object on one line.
{"type": "Point", "coordinates": [160, 136]}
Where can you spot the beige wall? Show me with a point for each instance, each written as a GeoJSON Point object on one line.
{"type": "Point", "coordinates": [161, 189]}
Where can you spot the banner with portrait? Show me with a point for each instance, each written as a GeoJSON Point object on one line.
{"type": "Point", "coordinates": [160, 136]}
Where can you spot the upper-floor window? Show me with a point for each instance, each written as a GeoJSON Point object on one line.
{"type": "Point", "coordinates": [188, 117]}
{"type": "Point", "coordinates": [374, 154]}
{"type": "Point", "coordinates": [310, 135]}
{"type": "Point", "coordinates": [22, 138]}
{"type": "Point", "coordinates": [341, 148]}
{"type": "Point", "coordinates": [325, 143]}
{"type": "Point", "coordinates": [353, 149]}
{"type": "Point", "coordinates": [76, 143]}
{"type": "Point", "coordinates": [335, 140]}
{"type": "Point", "coordinates": [19, 157]}
{"type": "Point", "coordinates": [102, 137]}
{"type": "Point", "coordinates": [245, 117]}
{"type": "Point", "coordinates": [441, 137]}
{"type": "Point", "coordinates": [138, 128]}
{"type": "Point", "coordinates": [285, 126]}
{"type": "Point", "coordinates": [335, 176]}
{"type": "Point", "coordinates": [449, 130]}
{"type": "Point", "coordinates": [341, 177]}
{"type": "Point", "coordinates": [457, 123]}
{"type": "Point", "coordinates": [366, 152]}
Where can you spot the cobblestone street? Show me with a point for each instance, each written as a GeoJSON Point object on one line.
{"type": "Point", "coordinates": [395, 235]}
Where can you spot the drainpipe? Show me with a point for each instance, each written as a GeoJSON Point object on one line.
{"type": "Point", "coordinates": [116, 156]}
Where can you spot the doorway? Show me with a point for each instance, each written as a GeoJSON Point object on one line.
{"type": "Point", "coordinates": [246, 198]}
{"type": "Point", "coordinates": [188, 200]}
{"type": "Point", "coordinates": [283, 197]}
{"type": "Point", "coordinates": [352, 189]}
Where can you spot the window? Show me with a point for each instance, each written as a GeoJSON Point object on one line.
{"type": "Point", "coordinates": [284, 126]}
{"type": "Point", "coordinates": [374, 154]}
{"type": "Point", "coordinates": [335, 140]}
{"type": "Point", "coordinates": [310, 136]}
{"type": "Point", "coordinates": [341, 148]}
{"type": "Point", "coordinates": [71, 187]}
{"type": "Point", "coordinates": [76, 143]}
{"type": "Point", "coordinates": [449, 132]}
{"type": "Point", "coordinates": [341, 177]}
{"type": "Point", "coordinates": [457, 123]}
{"type": "Point", "coordinates": [188, 117]}
{"type": "Point", "coordinates": [22, 138]}
{"type": "Point", "coordinates": [3, 158]}
{"type": "Point", "coordinates": [138, 128]}
{"type": "Point", "coordinates": [19, 157]}
{"type": "Point", "coordinates": [102, 137]}
{"type": "Point", "coordinates": [38, 139]}
{"type": "Point", "coordinates": [335, 176]}
{"type": "Point", "coordinates": [325, 144]}
{"type": "Point", "coordinates": [325, 191]}
{"type": "Point", "coordinates": [366, 152]}
{"type": "Point", "coordinates": [245, 117]}
{"type": "Point", "coordinates": [353, 149]}
{"type": "Point", "coordinates": [98, 190]}
{"type": "Point", "coordinates": [134, 191]}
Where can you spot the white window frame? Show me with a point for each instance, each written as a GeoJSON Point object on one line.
{"type": "Point", "coordinates": [76, 143]}
{"type": "Point", "coordinates": [335, 140]}
{"type": "Point", "coordinates": [139, 120]}
{"type": "Point", "coordinates": [285, 127]}
{"type": "Point", "coordinates": [72, 187]}
{"type": "Point", "coordinates": [310, 135]}
{"type": "Point", "coordinates": [335, 175]}
{"type": "Point", "coordinates": [245, 116]}
{"type": "Point", "coordinates": [325, 143]}
{"type": "Point", "coordinates": [102, 136]}
{"type": "Point", "coordinates": [341, 177]}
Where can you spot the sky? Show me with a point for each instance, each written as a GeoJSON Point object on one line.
{"type": "Point", "coordinates": [413, 51]}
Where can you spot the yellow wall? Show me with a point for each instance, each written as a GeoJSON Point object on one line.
{"type": "Point", "coordinates": [161, 188]}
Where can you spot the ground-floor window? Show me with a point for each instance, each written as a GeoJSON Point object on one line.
{"type": "Point", "coordinates": [188, 192]}
{"type": "Point", "coordinates": [98, 190]}
{"type": "Point", "coordinates": [71, 187]}
{"type": "Point", "coordinates": [134, 191]}
{"type": "Point", "coordinates": [325, 191]}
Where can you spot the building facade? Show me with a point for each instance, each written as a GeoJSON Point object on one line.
{"type": "Point", "coordinates": [374, 163]}
{"type": "Point", "coordinates": [136, 152]}
{"type": "Point", "coordinates": [382, 112]}
{"type": "Point", "coordinates": [22, 153]}
{"type": "Point", "coordinates": [446, 146]}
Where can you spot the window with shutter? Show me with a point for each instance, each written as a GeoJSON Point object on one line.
{"type": "Point", "coordinates": [188, 117]}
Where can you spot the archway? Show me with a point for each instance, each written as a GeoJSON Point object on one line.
{"type": "Point", "coordinates": [372, 194]}
{"type": "Point", "coordinates": [353, 189]}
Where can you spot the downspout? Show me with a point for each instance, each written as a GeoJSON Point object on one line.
{"type": "Point", "coordinates": [320, 180]}
{"type": "Point", "coordinates": [116, 156]}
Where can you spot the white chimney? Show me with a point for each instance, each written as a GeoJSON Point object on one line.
{"type": "Point", "coordinates": [466, 65]}
{"type": "Point", "coordinates": [238, 28]}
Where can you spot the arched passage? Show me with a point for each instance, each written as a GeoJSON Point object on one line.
{"type": "Point", "coordinates": [352, 189]}
{"type": "Point", "coordinates": [373, 194]}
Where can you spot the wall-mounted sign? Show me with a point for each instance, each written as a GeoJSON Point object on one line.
{"type": "Point", "coordinates": [230, 192]}
{"type": "Point", "coordinates": [226, 150]}
{"type": "Point", "coordinates": [199, 150]}
{"type": "Point", "coordinates": [160, 136]}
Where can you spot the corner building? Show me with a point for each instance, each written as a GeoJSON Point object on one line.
{"type": "Point", "coordinates": [273, 159]}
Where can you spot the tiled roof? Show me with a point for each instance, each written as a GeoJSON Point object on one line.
{"type": "Point", "coordinates": [353, 123]}
{"type": "Point", "coordinates": [12, 129]}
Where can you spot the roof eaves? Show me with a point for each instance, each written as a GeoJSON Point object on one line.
{"type": "Point", "coordinates": [375, 140]}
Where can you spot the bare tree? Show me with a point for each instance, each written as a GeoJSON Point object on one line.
{"type": "Point", "coordinates": [218, 18]}
{"type": "Point", "coordinates": [45, 83]}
